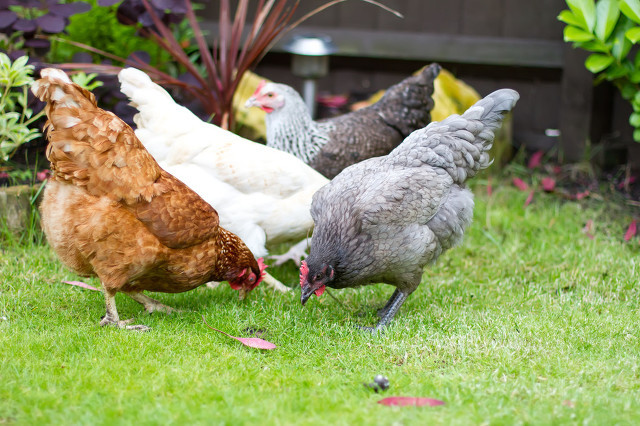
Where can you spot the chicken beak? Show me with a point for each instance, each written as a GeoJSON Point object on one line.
{"type": "Point", "coordinates": [306, 294]}
{"type": "Point", "coordinates": [242, 293]}
{"type": "Point", "coordinates": [251, 102]}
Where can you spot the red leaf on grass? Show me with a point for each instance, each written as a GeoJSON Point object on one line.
{"type": "Point", "coordinates": [548, 184]}
{"type": "Point", "coordinates": [631, 231]}
{"type": "Point", "coordinates": [529, 198]}
{"type": "Point", "coordinates": [252, 342]}
{"type": "Point", "coordinates": [81, 284]}
{"type": "Point", "coordinates": [409, 400]}
{"type": "Point", "coordinates": [520, 184]}
{"type": "Point", "coordinates": [535, 159]}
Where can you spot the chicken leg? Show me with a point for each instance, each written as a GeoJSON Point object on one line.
{"type": "Point", "coordinates": [111, 316]}
{"type": "Point", "coordinates": [150, 305]}
{"type": "Point", "coordinates": [388, 311]}
{"type": "Point", "coordinates": [294, 253]}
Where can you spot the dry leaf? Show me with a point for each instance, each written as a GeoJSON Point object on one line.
{"type": "Point", "coordinates": [81, 284]}
{"type": "Point", "coordinates": [535, 160]}
{"type": "Point", "coordinates": [631, 231]}
{"type": "Point", "coordinates": [529, 198]}
{"type": "Point", "coordinates": [520, 184]}
{"type": "Point", "coordinates": [253, 342]}
{"type": "Point", "coordinates": [409, 400]}
{"type": "Point", "coordinates": [548, 184]}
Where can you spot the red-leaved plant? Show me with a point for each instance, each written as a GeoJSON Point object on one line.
{"type": "Point", "coordinates": [230, 55]}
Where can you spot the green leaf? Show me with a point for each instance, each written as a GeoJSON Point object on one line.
{"type": "Point", "coordinates": [597, 62]}
{"type": "Point", "coordinates": [607, 14]}
{"type": "Point", "coordinates": [595, 45]}
{"type": "Point", "coordinates": [585, 12]}
{"type": "Point", "coordinates": [569, 18]}
{"type": "Point", "coordinates": [628, 90]}
{"type": "Point", "coordinates": [636, 135]}
{"type": "Point", "coordinates": [633, 34]}
{"type": "Point", "coordinates": [621, 44]}
{"type": "Point", "coordinates": [575, 34]}
{"type": "Point", "coordinates": [634, 120]}
{"type": "Point", "coordinates": [616, 71]}
{"type": "Point", "coordinates": [631, 9]}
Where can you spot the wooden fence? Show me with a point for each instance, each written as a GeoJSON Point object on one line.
{"type": "Point", "coordinates": [490, 44]}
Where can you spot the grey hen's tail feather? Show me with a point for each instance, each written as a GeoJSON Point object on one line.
{"type": "Point", "coordinates": [407, 106]}
{"type": "Point", "coordinates": [459, 144]}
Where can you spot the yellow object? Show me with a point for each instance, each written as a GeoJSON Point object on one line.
{"type": "Point", "coordinates": [451, 96]}
{"type": "Point", "coordinates": [249, 122]}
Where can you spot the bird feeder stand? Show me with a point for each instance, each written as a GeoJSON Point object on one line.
{"type": "Point", "coordinates": [310, 61]}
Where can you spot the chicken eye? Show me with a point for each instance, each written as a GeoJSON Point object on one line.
{"type": "Point", "coordinates": [269, 95]}
{"type": "Point", "coordinates": [319, 276]}
{"type": "Point", "coordinates": [252, 279]}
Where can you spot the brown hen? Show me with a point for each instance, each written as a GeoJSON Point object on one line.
{"type": "Point", "coordinates": [110, 210]}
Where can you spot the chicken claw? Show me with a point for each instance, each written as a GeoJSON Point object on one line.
{"type": "Point", "coordinates": [273, 283]}
{"type": "Point", "coordinates": [111, 316]}
{"type": "Point", "coordinates": [295, 253]}
{"type": "Point", "coordinates": [151, 305]}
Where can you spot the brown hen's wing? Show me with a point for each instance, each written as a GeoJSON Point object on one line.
{"type": "Point", "coordinates": [178, 217]}
{"type": "Point", "coordinates": [102, 154]}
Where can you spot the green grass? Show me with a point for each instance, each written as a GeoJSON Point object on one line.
{"type": "Point", "coordinates": [529, 321]}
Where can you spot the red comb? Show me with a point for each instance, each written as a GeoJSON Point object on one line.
{"type": "Point", "coordinates": [304, 271]}
{"type": "Point", "coordinates": [262, 267]}
{"type": "Point", "coordinates": [259, 88]}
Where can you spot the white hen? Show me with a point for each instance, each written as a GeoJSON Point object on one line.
{"type": "Point", "coordinates": [262, 194]}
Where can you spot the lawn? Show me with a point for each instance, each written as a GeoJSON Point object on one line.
{"type": "Point", "coordinates": [529, 321]}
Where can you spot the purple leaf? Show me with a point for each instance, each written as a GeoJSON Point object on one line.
{"type": "Point", "coordinates": [25, 25]}
{"type": "Point", "coordinates": [51, 23]}
{"type": "Point", "coordinates": [37, 43]}
{"type": "Point", "coordinates": [107, 2]}
{"type": "Point", "coordinates": [6, 3]}
{"type": "Point", "coordinates": [81, 284]}
{"type": "Point", "coordinates": [548, 184]}
{"type": "Point", "coordinates": [253, 342]}
{"type": "Point", "coordinates": [175, 6]}
{"type": "Point", "coordinates": [520, 184]}
{"type": "Point", "coordinates": [404, 401]}
{"type": "Point", "coordinates": [7, 18]}
{"type": "Point", "coordinates": [631, 231]}
{"type": "Point", "coordinates": [535, 159]}
{"type": "Point", "coordinates": [69, 9]}
{"type": "Point", "coordinates": [529, 198]}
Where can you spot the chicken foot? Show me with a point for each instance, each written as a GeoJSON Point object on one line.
{"type": "Point", "coordinates": [295, 253]}
{"type": "Point", "coordinates": [111, 316]}
{"type": "Point", "coordinates": [274, 284]}
{"type": "Point", "coordinates": [388, 311]}
{"type": "Point", "coordinates": [150, 305]}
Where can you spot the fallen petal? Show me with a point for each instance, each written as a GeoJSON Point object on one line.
{"type": "Point", "coordinates": [81, 284]}
{"type": "Point", "coordinates": [529, 198]}
{"type": "Point", "coordinates": [253, 342]}
{"type": "Point", "coordinates": [631, 231]}
{"type": "Point", "coordinates": [548, 184]}
{"type": "Point", "coordinates": [520, 184]}
{"type": "Point", "coordinates": [535, 159]}
{"type": "Point", "coordinates": [408, 400]}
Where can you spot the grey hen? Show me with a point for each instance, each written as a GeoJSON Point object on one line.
{"type": "Point", "coordinates": [333, 144]}
{"type": "Point", "coordinates": [384, 219]}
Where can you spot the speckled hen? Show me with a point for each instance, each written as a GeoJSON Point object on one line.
{"type": "Point", "coordinates": [110, 210]}
{"type": "Point", "coordinates": [384, 219]}
{"type": "Point", "coordinates": [331, 145]}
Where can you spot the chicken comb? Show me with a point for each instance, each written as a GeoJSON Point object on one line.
{"type": "Point", "coordinates": [263, 266]}
{"type": "Point", "coordinates": [259, 88]}
{"type": "Point", "coordinates": [304, 271]}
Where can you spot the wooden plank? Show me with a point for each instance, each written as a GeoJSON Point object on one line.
{"type": "Point", "coordinates": [434, 47]}
{"type": "Point", "coordinates": [576, 102]}
{"type": "Point", "coordinates": [534, 19]}
{"type": "Point", "coordinates": [482, 18]}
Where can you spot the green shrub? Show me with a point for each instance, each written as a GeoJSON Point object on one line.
{"type": "Point", "coordinates": [15, 116]}
{"type": "Point", "coordinates": [609, 29]}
